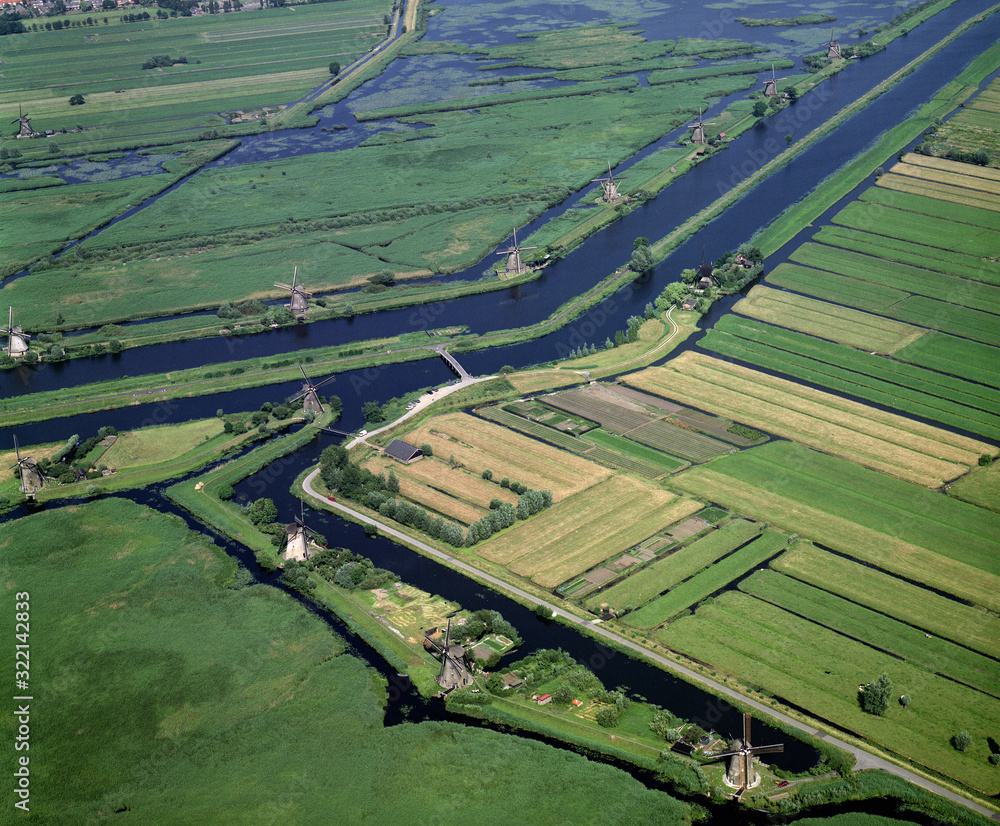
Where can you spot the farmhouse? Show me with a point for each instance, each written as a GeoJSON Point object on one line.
{"type": "Point", "coordinates": [403, 452]}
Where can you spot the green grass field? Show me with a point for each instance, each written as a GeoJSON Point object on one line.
{"type": "Point", "coordinates": [820, 670]}
{"type": "Point", "coordinates": [179, 699]}
{"type": "Point", "coordinates": [894, 525]}
{"type": "Point", "coordinates": [714, 578]}
{"type": "Point", "coordinates": [920, 607]}
{"type": "Point", "coordinates": [958, 356]}
{"type": "Point", "coordinates": [652, 580]}
{"type": "Point", "coordinates": [620, 444]}
{"type": "Point", "coordinates": [874, 628]}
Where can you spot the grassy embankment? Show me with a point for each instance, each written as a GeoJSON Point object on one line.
{"type": "Point", "coordinates": [153, 660]}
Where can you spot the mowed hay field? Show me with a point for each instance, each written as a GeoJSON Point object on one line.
{"type": "Point", "coordinates": [574, 535]}
{"type": "Point", "coordinates": [841, 324]}
{"type": "Point", "coordinates": [914, 533]}
{"type": "Point", "coordinates": [454, 492]}
{"type": "Point", "coordinates": [877, 439]}
{"type": "Point", "coordinates": [939, 178]}
{"type": "Point", "coordinates": [480, 445]}
{"type": "Point", "coordinates": [152, 445]}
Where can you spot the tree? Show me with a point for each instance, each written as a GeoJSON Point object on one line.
{"type": "Point", "coordinates": [488, 475]}
{"type": "Point", "coordinates": [334, 69]}
{"type": "Point", "coordinates": [262, 511]}
{"type": "Point", "coordinates": [671, 294]}
{"type": "Point", "coordinates": [392, 483]}
{"type": "Point", "coordinates": [426, 449]}
{"type": "Point", "coordinates": [115, 346]}
{"type": "Point", "coordinates": [641, 260]}
{"type": "Point", "coordinates": [373, 412]}
{"type": "Point", "coordinates": [226, 491]}
{"type": "Point", "coordinates": [760, 108]}
{"type": "Point", "coordinates": [985, 460]}
{"type": "Point", "coordinates": [641, 241]}
{"type": "Point", "coordinates": [76, 100]}
{"type": "Point", "coordinates": [962, 741]}
{"type": "Point", "coordinates": [875, 696]}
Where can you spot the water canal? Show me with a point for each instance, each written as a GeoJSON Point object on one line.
{"type": "Point", "coordinates": [524, 305]}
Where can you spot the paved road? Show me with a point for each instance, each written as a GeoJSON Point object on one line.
{"type": "Point", "coordinates": [865, 760]}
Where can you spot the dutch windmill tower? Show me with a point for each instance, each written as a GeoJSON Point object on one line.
{"type": "Point", "coordinates": [308, 394]}
{"type": "Point", "coordinates": [514, 265]}
{"type": "Point", "coordinates": [25, 130]}
{"type": "Point", "coordinates": [32, 480]}
{"type": "Point", "coordinates": [609, 185]}
{"type": "Point", "coordinates": [833, 48]}
{"type": "Point", "coordinates": [771, 84]}
{"type": "Point", "coordinates": [299, 303]}
{"type": "Point", "coordinates": [17, 339]}
{"type": "Point", "coordinates": [453, 673]}
{"type": "Point", "coordinates": [741, 774]}
{"type": "Point", "coordinates": [698, 129]}
{"type": "Point", "coordinates": [298, 534]}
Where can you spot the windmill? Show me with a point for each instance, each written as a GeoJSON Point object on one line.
{"type": "Point", "coordinates": [32, 479]}
{"type": "Point", "coordinates": [17, 339]}
{"type": "Point", "coordinates": [833, 48]}
{"type": "Point", "coordinates": [698, 129]}
{"type": "Point", "coordinates": [299, 535]}
{"type": "Point", "coordinates": [771, 84]}
{"type": "Point", "coordinates": [25, 124]}
{"type": "Point", "coordinates": [741, 774]}
{"type": "Point", "coordinates": [308, 394]}
{"type": "Point", "coordinates": [514, 265]}
{"type": "Point", "coordinates": [610, 186]}
{"type": "Point", "coordinates": [453, 673]}
{"type": "Point", "coordinates": [299, 304]}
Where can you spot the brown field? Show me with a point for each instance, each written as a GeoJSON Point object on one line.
{"type": "Point", "coordinates": [947, 618]}
{"type": "Point", "coordinates": [577, 534]}
{"type": "Point", "coordinates": [939, 191]}
{"type": "Point", "coordinates": [880, 549]}
{"type": "Point", "coordinates": [480, 445]}
{"type": "Point", "coordinates": [455, 492]}
{"type": "Point", "coordinates": [963, 177]}
{"type": "Point", "coordinates": [532, 382]}
{"type": "Point", "coordinates": [969, 170]}
{"type": "Point", "coordinates": [830, 321]}
{"type": "Point", "coordinates": [874, 438]}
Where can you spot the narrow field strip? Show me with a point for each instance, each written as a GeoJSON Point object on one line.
{"type": "Point", "coordinates": [960, 218]}
{"type": "Point", "coordinates": [870, 543]}
{"type": "Point", "coordinates": [904, 277]}
{"type": "Point", "coordinates": [651, 581]}
{"type": "Point", "coordinates": [965, 178]}
{"type": "Point", "coordinates": [878, 439]}
{"type": "Point", "coordinates": [919, 229]}
{"type": "Point", "coordinates": [835, 323]}
{"type": "Point", "coordinates": [951, 262]}
{"type": "Point", "coordinates": [710, 580]}
{"type": "Point", "coordinates": [959, 356]}
{"type": "Point", "coordinates": [877, 630]}
{"type": "Point", "coordinates": [827, 286]}
{"type": "Point", "coordinates": [910, 603]}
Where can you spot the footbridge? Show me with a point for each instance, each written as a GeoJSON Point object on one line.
{"type": "Point", "coordinates": [452, 362]}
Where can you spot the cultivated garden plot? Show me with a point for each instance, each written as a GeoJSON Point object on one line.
{"type": "Point", "coordinates": [915, 533]}
{"type": "Point", "coordinates": [576, 534]}
{"type": "Point", "coordinates": [801, 661]}
{"type": "Point", "coordinates": [885, 441]}
{"type": "Point", "coordinates": [716, 577]}
{"type": "Point", "coordinates": [974, 128]}
{"type": "Point", "coordinates": [908, 388]}
{"type": "Point", "coordinates": [480, 445]}
{"type": "Point", "coordinates": [674, 566]}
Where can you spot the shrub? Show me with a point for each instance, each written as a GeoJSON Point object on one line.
{"type": "Point", "coordinates": [962, 741]}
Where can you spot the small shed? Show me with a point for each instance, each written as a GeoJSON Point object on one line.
{"type": "Point", "coordinates": [403, 452]}
{"type": "Point", "coordinates": [545, 699]}
{"type": "Point", "coordinates": [511, 681]}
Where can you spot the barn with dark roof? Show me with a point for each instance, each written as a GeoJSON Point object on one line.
{"type": "Point", "coordinates": [403, 452]}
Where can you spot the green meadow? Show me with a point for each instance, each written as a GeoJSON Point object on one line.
{"type": "Point", "coordinates": [177, 692]}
